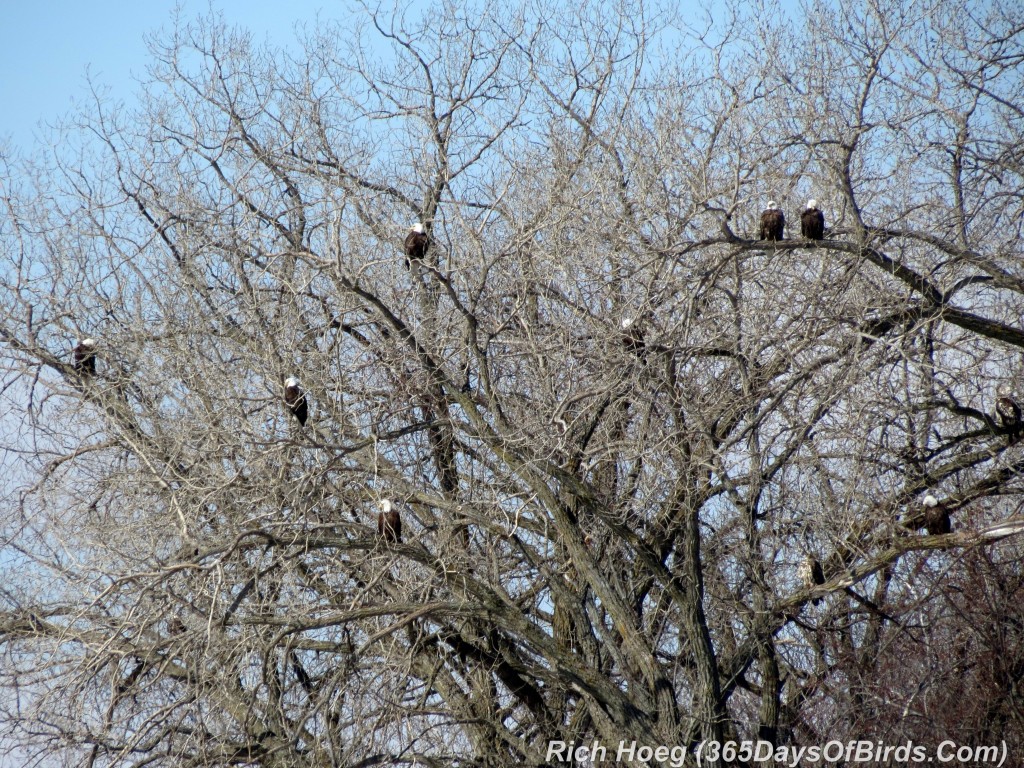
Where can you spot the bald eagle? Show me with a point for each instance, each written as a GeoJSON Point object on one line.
{"type": "Point", "coordinates": [416, 245]}
{"type": "Point", "coordinates": [812, 222]}
{"type": "Point", "coordinates": [295, 399]}
{"type": "Point", "coordinates": [632, 336]}
{"type": "Point", "coordinates": [84, 356]}
{"type": "Point", "coordinates": [389, 523]}
{"type": "Point", "coordinates": [936, 518]}
{"type": "Point", "coordinates": [773, 222]}
{"type": "Point", "coordinates": [1008, 410]}
{"type": "Point", "coordinates": [811, 575]}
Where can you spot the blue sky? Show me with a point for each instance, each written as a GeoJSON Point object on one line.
{"type": "Point", "coordinates": [47, 46]}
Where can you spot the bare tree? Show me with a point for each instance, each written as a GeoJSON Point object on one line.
{"type": "Point", "coordinates": [612, 423]}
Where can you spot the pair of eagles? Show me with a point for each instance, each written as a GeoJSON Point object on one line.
{"type": "Point", "coordinates": [812, 222]}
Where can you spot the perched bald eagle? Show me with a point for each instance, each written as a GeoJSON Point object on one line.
{"type": "Point", "coordinates": [1008, 410]}
{"type": "Point", "coordinates": [85, 357]}
{"type": "Point", "coordinates": [295, 399]}
{"type": "Point", "coordinates": [416, 245]}
{"type": "Point", "coordinates": [632, 336]}
{"type": "Point", "coordinates": [389, 523]}
{"type": "Point", "coordinates": [773, 222]}
{"type": "Point", "coordinates": [811, 575]}
{"type": "Point", "coordinates": [812, 222]}
{"type": "Point", "coordinates": [936, 518]}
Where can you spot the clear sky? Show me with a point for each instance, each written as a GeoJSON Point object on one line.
{"type": "Point", "coordinates": [46, 47]}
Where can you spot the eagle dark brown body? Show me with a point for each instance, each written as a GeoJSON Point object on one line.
{"type": "Point", "coordinates": [295, 399]}
{"type": "Point", "coordinates": [812, 222]}
{"type": "Point", "coordinates": [389, 523]}
{"type": "Point", "coordinates": [773, 223]}
{"type": "Point", "coordinates": [417, 243]}
{"type": "Point", "coordinates": [84, 357]}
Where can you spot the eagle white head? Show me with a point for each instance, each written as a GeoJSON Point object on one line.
{"type": "Point", "coordinates": [771, 205]}
{"type": "Point", "coordinates": [930, 501]}
{"type": "Point", "coordinates": [88, 343]}
{"type": "Point", "coordinates": [1004, 390]}
{"type": "Point", "coordinates": [385, 505]}
{"type": "Point", "coordinates": [290, 382]}
{"type": "Point", "coordinates": [812, 203]}
{"type": "Point", "coordinates": [417, 228]}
